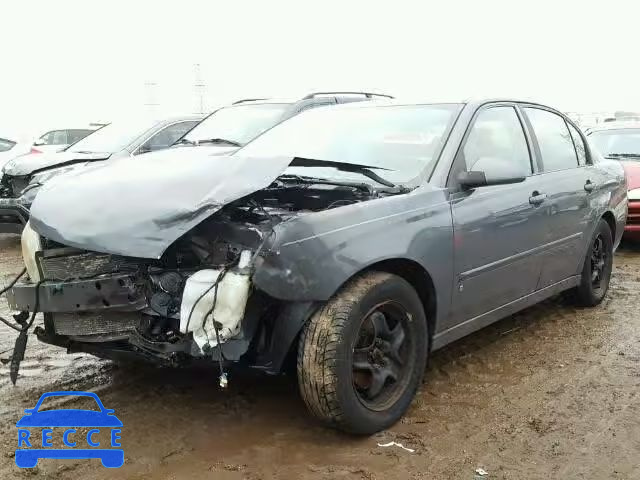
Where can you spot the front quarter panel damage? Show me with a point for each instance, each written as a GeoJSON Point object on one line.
{"type": "Point", "coordinates": [315, 254]}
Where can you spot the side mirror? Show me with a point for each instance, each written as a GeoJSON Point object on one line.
{"type": "Point", "coordinates": [39, 142]}
{"type": "Point", "coordinates": [492, 171]}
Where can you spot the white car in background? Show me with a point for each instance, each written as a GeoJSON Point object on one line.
{"type": "Point", "coordinates": [11, 148]}
{"type": "Point", "coordinates": [22, 177]}
{"type": "Point", "coordinates": [13, 145]}
{"type": "Point", "coordinates": [57, 140]}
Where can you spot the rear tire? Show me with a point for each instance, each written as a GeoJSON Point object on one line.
{"type": "Point", "coordinates": [362, 356]}
{"type": "Point", "coordinates": [596, 270]}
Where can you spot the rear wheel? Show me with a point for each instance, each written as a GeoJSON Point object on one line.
{"type": "Point", "coordinates": [362, 355]}
{"type": "Point", "coordinates": [596, 270]}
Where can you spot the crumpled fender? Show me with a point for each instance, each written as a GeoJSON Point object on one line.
{"type": "Point", "coordinates": [313, 255]}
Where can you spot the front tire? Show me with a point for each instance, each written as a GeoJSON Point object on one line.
{"type": "Point", "coordinates": [597, 267]}
{"type": "Point", "coordinates": [362, 356]}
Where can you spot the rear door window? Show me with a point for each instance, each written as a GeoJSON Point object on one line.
{"type": "Point", "coordinates": [497, 136]}
{"type": "Point", "coordinates": [555, 142]}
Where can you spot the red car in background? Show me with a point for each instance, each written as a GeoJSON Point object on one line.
{"type": "Point", "coordinates": [621, 141]}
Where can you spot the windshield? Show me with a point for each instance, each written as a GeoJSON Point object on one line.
{"type": "Point", "coordinates": [623, 142]}
{"type": "Point", "coordinates": [238, 123]}
{"type": "Point", "coordinates": [111, 138]}
{"type": "Point", "coordinates": [404, 140]}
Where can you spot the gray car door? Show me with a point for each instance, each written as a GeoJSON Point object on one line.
{"type": "Point", "coordinates": [569, 187]}
{"type": "Point", "coordinates": [498, 230]}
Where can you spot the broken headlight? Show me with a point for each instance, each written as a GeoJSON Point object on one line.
{"type": "Point", "coordinates": [30, 245]}
{"type": "Point", "coordinates": [29, 193]}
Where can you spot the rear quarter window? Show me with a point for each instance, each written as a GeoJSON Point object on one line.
{"type": "Point", "coordinates": [554, 140]}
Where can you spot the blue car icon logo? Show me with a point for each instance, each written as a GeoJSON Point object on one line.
{"type": "Point", "coordinates": [41, 446]}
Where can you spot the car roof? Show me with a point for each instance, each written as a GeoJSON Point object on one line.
{"type": "Point", "coordinates": [182, 118]}
{"type": "Point", "coordinates": [258, 101]}
{"type": "Point", "coordinates": [310, 97]}
{"type": "Point", "coordinates": [473, 101]}
{"type": "Point", "coordinates": [615, 125]}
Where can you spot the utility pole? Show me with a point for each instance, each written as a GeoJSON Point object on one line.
{"type": "Point", "coordinates": [198, 88]}
{"type": "Point", "coordinates": [151, 102]}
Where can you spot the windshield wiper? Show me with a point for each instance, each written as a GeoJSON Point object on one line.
{"type": "Point", "coordinates": [325, 181]}
{"type": "Point", "coordinates": [219, 140]}
{"type": "Point", "coordinates": [622, 155]}
{"type": "Point", "coordinates": [347, 167]}
{"type": "Point", "coordinates": [184, 141]}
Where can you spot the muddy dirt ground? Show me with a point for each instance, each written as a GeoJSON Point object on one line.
{"type": "Point", "coordinates": [553, 392]}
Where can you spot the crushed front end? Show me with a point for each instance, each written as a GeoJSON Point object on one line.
{"type": "Point", "coordinates": [196, 302]}
{"type": "Point", "coordinates": [177, 280]}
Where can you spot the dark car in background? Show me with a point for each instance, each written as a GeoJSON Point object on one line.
{"type": "Point", "coordinates": [621, 141]}
{"type": "Point", "coordinates": [351, 240]}
{"type": "Point", "coordinates": [22, 177]}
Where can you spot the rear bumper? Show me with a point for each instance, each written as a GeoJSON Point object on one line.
{"type": "Point", "coordinates": [632, 228]}
{"type": "Point", "coordinates": [13, 215]}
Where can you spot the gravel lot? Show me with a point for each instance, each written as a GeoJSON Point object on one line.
{"type": "Point", "coordinates": [553, 392]}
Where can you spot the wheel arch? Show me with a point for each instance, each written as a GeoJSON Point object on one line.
{"type": "Point", "coordinates": [417, 276]}
{"type": "Point", "coordinates": [611, 221]}
{"type": "Point", "coordinates": [295, 315]}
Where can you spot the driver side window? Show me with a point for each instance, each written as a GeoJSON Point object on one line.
{"type": "Point", "coordinates": [497, 137]}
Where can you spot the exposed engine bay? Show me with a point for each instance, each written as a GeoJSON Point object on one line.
{"type": "Point", "coordinates": [196, 301]}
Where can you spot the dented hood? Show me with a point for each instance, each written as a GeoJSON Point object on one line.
{"type": "Point", "coordinates": [27, 164]}
{"type": "Point", "coordinates": [139, 208]}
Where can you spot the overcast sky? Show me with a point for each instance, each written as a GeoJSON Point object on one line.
{"type": "Point", "coordinates": [80, 61]}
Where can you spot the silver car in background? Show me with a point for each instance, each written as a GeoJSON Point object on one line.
{"type": "Point", "coordinates": [23, 176]}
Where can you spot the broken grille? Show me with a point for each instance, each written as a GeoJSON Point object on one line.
{"type": "Point", "coordinates": [85, 265]}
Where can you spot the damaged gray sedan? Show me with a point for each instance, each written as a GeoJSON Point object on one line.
{"type": "Point", "coordinates": [353, 240]}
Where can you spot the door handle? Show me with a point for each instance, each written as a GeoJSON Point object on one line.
{"type": "Point", "coordinates": [537, 198]}
{"type": "Point", "coordinates": [589, 187]}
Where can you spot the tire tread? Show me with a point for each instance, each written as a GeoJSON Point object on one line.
{"type": "Point", "coordinates": [318, 349]}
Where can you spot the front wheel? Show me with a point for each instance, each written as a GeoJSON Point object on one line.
{"type": "Point", "coordinates": [596, 270]}
{"type": "Point", "coordinates": [362, 356]}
